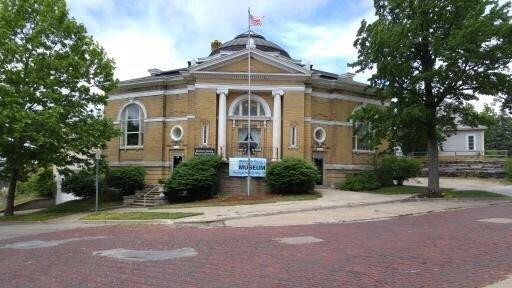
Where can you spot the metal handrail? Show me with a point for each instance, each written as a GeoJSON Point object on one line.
{"type": "Point", "coordinates": [147, 193]}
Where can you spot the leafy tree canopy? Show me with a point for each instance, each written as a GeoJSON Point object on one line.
{"type": "Point", "coordinates": [498, 135]}
{"type": "Point", "coordinates": [431, 57]}
{"type": "Point", "coordinates": [53, 79]}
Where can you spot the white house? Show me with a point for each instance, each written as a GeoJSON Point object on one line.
{"type": "Point", "coordinates": [467, 141]}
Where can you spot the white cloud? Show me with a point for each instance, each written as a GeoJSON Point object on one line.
{"type": "Point", "coordinates": [135, 51]}
{"type": "Point", "coordinates": [328, 47]}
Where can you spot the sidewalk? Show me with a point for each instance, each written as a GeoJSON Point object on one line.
{"type": "Point", "coordinates": [458, 183]}
{"type": "Point", "coordinates": [374, 212]}
{"type": "Point", "coordinates": [331, 198]}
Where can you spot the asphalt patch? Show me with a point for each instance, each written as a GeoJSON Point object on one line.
{"type": "Point", "coordinates": [34, 244]}
{"type": "Point", "coordinates": [147, 255]}
{"type": "Point", "coordinates": [298, 240]}
{"type": "Point", "coordinates": [497, 220]}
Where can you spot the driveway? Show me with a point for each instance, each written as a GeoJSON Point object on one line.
{"type": "Point", "coordinates": [490, 185]}
{"type": "Point", "coordinates": [462, 248]}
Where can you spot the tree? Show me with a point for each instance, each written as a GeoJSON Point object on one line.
{"type": "Point", "coordinates": [430, 58]}
{"type": "Point", "coordinates": [53, 76]}
{"type": "Point", "coordinates": [498, 135]}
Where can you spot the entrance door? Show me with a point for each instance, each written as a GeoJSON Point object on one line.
{"type": "Point", "coordinates": [176, 160]}
{"type": "Point", "coordinates": [319, 163]}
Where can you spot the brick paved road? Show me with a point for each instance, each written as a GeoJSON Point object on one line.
{"type": "Point", "coordinates": [448, 249]}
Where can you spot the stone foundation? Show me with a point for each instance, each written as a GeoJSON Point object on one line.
{"type": "Point", "coordinates": [236, 186]}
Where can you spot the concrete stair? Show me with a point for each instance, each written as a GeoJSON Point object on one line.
{"type": "Point", "coordinates": [154, 193]}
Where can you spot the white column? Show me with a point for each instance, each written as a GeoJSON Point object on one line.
{"type": "Point", "coordinates": [221, 144]}
{"type": "Point", "coordinates": [276, 126]}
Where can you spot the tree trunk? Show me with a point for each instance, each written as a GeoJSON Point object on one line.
{"type": "Point", "coordinates": [9, 205]}
{"type": "Point", "coordinates": [433, 189]}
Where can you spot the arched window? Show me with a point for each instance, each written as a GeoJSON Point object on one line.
{"type": "Point", "coordinates": [240, 107]}
{"type": "Point", "coordinates": [132, 123]}
{"type": "Point", "coordinates": [243, 108]}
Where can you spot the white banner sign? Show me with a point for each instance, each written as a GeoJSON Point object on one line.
{"type": "Point", "coordinates": [238, 167]}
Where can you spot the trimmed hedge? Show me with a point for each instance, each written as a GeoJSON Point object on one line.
{"type": "Point", "coordinates": [389, 168]}
{"type": "Point", "coordinates": [363, 181]}
{"type": "Point", "coordinates": [292, 176]}
{"type": "Point", "coordinates": [127, 179]}
{"type": "Point", "coordinates": [397, 168]}
{"type": "Point", "coordinates": [82, 183]}
{"type": "Point", "coordinates": [196, 178]}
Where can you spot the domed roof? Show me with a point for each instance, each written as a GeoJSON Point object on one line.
{"type": "Point", "coordinates": [240, 42]}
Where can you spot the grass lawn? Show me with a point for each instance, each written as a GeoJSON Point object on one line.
{"type": "Point", "coordinates": [64, 209]}
{"type": "Point", "coordinates": [242, 200]}
{"type": "Point", "coordinates": [137, 215]}
{"type": "Point", "coordinates": [448, 193]}
{"type": "Point", "coordinates": [394, 190]}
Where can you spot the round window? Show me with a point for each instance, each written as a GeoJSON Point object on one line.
{"type": "Point", "coordinates": [319, 135]}
{"type": "Point", "coordinates": [177, 133]}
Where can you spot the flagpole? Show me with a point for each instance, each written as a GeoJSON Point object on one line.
{"type": "Point", "coordinates": [249, 104]}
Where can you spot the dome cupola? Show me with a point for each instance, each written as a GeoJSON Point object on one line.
{"type": "Point", "coordinates": [240, 42]}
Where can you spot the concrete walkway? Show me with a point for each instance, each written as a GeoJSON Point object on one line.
{"type": "Point", "coordinates": [331, 198]}
{"type": "Point", "coordinates": [490, 185]}
{"type": "Point", "coordinates": [335, 206]}
{"type": "Point", "coordinates": [361, 213]}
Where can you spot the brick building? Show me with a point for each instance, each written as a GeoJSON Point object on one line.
{"type": "Point", "coordinates": [295, 111]}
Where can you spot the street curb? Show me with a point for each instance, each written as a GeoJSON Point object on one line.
{"type": "Point", "coordinates": [154, 221]}
{"type": "Point", "coordinates": [407, 200]}
{"type": "Point", "coordinates": [288, 212]}
{"type": "Point", "coordinates": [215, 222]}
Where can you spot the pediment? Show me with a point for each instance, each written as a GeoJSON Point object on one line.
{"type": "Point", "coordinates": [261, 62]}
{"type": "Point", "coordinates": [256, 67]}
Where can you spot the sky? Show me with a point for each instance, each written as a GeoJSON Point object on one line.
{"type": "Point", "coordinates": [165, 34]}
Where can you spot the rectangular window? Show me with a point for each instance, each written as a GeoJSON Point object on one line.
{"type": "Point", "coordinates": [361, 133]}
{"type": "Point", "coordinates": [293, 137]}
{"type": "Point", "coordinates": [204, 134]}
{"type": "Point", "coordinates": [471, 142]}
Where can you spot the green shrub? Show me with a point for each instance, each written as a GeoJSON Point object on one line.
{"type": "Point", "coordinates": [41, 183]}
{"type": "Point", "coordinates": [362, 181]}
{"type": "Point", "coordinates": [127, 179]}
{"type": "Point", "coordinates": [81, 183]}
{"type": "Point", "coordinates": [196, 178]}
{"type": "Point", "coordinates": [292, 176]}
{"type": "Point", "coordinates": [508, 167]}
{"type": "Point", "coordinates": [398, 169]}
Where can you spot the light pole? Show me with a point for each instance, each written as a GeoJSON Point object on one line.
{"type": "Point", "coordinates": [98, 157]}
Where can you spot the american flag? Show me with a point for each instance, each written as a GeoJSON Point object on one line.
{"type": "Point", "coordinates": [255, 20]}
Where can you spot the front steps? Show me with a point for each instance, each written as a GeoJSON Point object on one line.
{"type": "Point", "coordinates": [151, 197]}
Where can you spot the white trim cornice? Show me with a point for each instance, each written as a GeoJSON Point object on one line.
{"type": "Point", "coordinates": [163, 119]}
{"type": "Point", "coordinates": [327, 122]}
{"type": "Point", "coordinates": [152, 79]}
{"type": "Point", "coordinates": [149, 93]}
{"type": "Point", "coordinates": [348, 97]}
